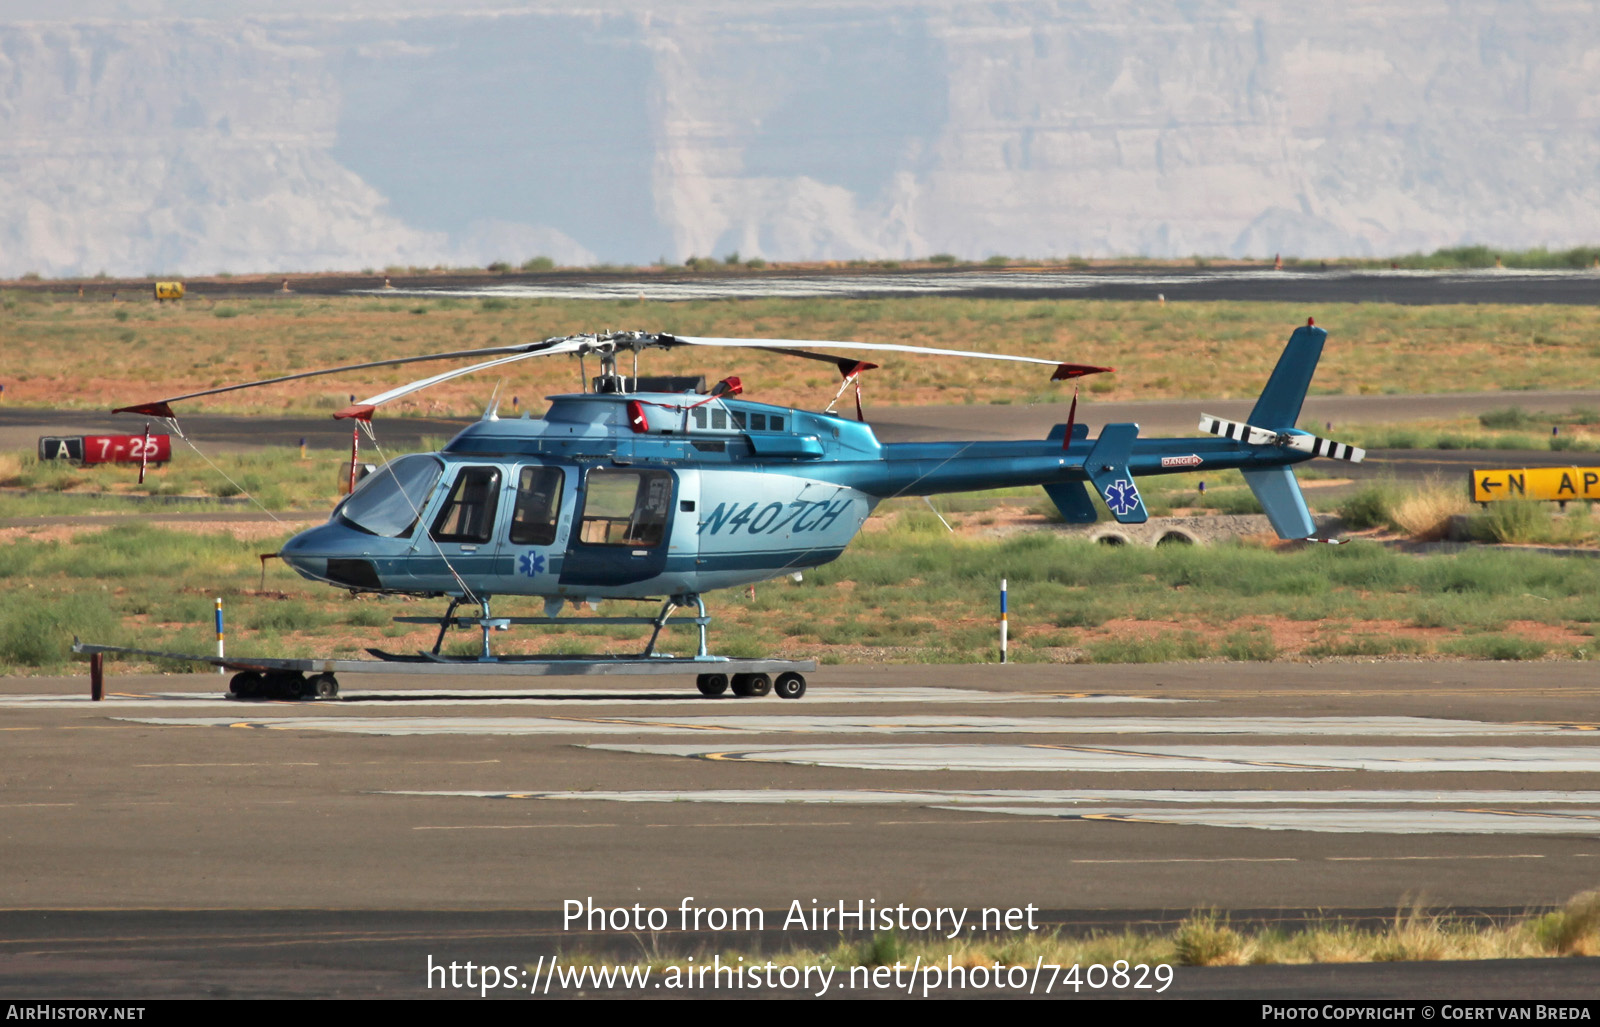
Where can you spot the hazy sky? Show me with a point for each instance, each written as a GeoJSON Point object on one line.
{"type": "Point", "coordinates": [305, 135]}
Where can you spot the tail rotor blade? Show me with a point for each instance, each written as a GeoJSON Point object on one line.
{"type": "Point", "coordinates": [1318, 446]}
{"type": "Point", "coordinates": [1237, 430]}
{"type": "Point", "coordinates": [1250, 435]}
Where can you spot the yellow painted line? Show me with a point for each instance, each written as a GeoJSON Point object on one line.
{"type": "Point", "coordinates": [148, 766]}
{"type": "Point", "coordinates": [1016, 821]}
{"type": "Point", "coordinates": [1192, 859]}
{"type": "Point", "coordinates": [517, 826]}
{"type": "Point", "coordinates": [1534, 813]}
{"type": "Point", "coordinates": [100, 727]}
{"type": "Point", "coordinates": [50, 945]}
{"type": "Point", "coordinates": [628, 722]}
{"type": "Point", "coordinates": [1429, 859]}
{"type": "Point", "coordinates": [763, 823]}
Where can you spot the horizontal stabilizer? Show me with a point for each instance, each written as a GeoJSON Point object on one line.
{"type": "Point", "coordinates": [1059, 433]}
{"type": "Point", "coordinates": [1107, 467]}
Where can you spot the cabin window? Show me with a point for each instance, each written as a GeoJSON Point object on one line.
{"type": "Point", "coordinates": [468, 515]}
{"type": "Point", "coordinates": [538, 510]}
{"type": "Point", "coordinates": [389, 502]}
{"type": "Point", "coordinates": [699, 417]}
{"type": "Point", "coordinates": [626, 508]}
{"type": "Point", "coordinates": [719, 419]}
{"type": "Point", "coordinates": [738, 419]}
{"type": "Point", "coordinates": [758, 422]}
{"type": "Point", "coordinates": [775, 423]}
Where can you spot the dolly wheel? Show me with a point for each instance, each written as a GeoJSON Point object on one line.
{"type": "Point", "coordinates": [325, 686]}
{"type": "Point", "coordinates": [790, 685]}
{"type": "Point", "coordinates": [246, 684]}
{"type": "Point", "coordinates": [711, 684]}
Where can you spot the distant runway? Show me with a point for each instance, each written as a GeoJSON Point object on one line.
{"type": "Point", "coordinates": [1298, 284]}
{"type": "Point", "coordinates": [1073, 788]}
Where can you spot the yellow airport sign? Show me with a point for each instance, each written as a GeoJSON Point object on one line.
{"type": "Point", "coordinates": [169, 290]}
{"type": "Point", "coordinates": [1555, 484]}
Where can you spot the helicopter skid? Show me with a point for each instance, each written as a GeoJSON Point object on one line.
{"type": "Point", "coordinates": [310, 678]}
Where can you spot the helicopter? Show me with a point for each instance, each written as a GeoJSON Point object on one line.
{"type": "Point", "coordinates": [626, 491]}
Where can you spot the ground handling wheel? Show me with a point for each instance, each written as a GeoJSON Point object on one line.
{"type": "Point", "coordinates": [790, 685]}
{"type": "Point", "coordinates": [711, 684]}
{"type": "Point", "coordinates": [324, 686]}
{"type": "Point", "coordinates": [286, 684]}
{"type": "Point", "coordinates": [746, 685]}
{"type": "Point", "coordinates": [246, 684]}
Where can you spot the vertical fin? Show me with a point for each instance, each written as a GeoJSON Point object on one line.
{"type": "Point", "coordinates": [1279, 406]}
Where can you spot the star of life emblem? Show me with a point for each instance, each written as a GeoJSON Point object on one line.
{"type": "Point", "coordinates": [1121, 497]}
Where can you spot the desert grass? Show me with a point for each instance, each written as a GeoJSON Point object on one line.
{"type": "Point", "coordinates": [1205, 938]}
{"type": "Point", "coordinates": [906, 591]}
{"type": "Point", "coordinates": [89, 353]}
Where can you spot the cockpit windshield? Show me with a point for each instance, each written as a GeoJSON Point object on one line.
{"type": "Point", "coordinates": [389, 502]}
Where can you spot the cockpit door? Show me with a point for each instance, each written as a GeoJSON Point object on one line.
{"type": "Point", "coordinates": [622, 527]}
{"type": "Point", "coordinates": [457, 538]}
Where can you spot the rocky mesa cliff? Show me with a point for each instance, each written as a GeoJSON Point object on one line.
{"type": "Point", "coordinates": [625, 132]}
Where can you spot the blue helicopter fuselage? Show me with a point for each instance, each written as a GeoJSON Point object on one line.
{"type": "Point", "coordinates": [648, 495]}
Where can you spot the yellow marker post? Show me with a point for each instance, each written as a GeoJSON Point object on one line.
{"type": "Point", "coordinates": [1550, 484]}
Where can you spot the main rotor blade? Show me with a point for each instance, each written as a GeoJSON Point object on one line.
{"type": "Point", "coordinates": [362, 410]}
{"type": "Point", "coordinates": [162, 407]}
{"type": "Point", "coordinates": [802, 348]}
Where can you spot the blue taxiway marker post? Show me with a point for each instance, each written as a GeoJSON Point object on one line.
{"type": "Point", "coordinates": [220, 670]}
{"type": "Point", "coordinates": [1003, 624]}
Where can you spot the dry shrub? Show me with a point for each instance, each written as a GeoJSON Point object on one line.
{"type": "Point", "coordinates": [1573, 930]}
{"type": "Point", "coordinates": [1425, 515]}
{"type": "Point", "coordinates": [1204, 940]}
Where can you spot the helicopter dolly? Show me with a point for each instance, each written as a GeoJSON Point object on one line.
{"type": "Point", "coordinates": [623, 493]}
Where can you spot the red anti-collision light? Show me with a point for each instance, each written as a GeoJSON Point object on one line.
{"type": "Point", "coordinates": [636, 419]}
